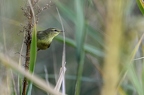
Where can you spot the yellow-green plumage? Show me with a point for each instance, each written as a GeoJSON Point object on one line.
{"type": "Point", "coordinates": [44, 38]}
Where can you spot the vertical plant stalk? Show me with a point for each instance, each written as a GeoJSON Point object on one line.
{"type": "Point", "coordinates": [28, 43]}
{"type": "Point", "coordinates": [80, 37]}
{"type": "Point", "coordinates": [114, 30]}
{"type": "Point", "coordinates": [64, 55]}
{"type": "Point", "coordinates": [26, 67]}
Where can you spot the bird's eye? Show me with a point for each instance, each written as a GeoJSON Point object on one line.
{"type": "Point", "coordinates": [55, 30]}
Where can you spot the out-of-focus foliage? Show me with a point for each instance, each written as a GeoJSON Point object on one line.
{"type": "Point", "coordinates": [85, 24]}
{"type": "Point", "coordinates": [140, 3]}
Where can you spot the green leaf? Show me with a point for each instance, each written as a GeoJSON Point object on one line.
{"type": "Point", "coordinates": [87, 48]}
{"type": "Point", "coordinates": [135, 80]}
{"type": "Point", "coordinates": [80, 39]}
{"type": "Point", "coordinates": [33, 54]}
{"type": "Point", "coordinates": [33, 50]}
{"type": "Point", "coordinates": [140, 5]}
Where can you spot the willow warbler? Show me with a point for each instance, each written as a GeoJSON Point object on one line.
{"type": "Point", "coordinates": [44, 38]}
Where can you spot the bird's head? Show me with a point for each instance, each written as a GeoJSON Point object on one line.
{"type": "Point", "coordinates": [53, 32]}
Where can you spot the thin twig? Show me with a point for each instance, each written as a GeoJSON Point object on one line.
{"type": "Point", "coordinates": [46, 76]}
{"type": "Point", "coordinates": [63, 55]}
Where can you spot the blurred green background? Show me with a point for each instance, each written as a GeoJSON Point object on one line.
{"type": "Point", "coordinates": [85, 30]}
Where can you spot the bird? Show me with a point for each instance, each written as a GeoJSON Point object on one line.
{"type": "Point", "coordinates": [44, 38]}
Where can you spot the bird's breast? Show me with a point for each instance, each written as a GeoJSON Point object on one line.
{"type": "Point", "coordinates": [43, 44]}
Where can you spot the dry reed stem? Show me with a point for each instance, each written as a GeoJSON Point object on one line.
{"type": "Point", "coordinates": [114, 30]}
{"type": "Point", "coordinates": [36, 80]}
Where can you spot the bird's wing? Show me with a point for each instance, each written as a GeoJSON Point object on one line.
{"type": "Point", "coordinates": [40, 35]}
